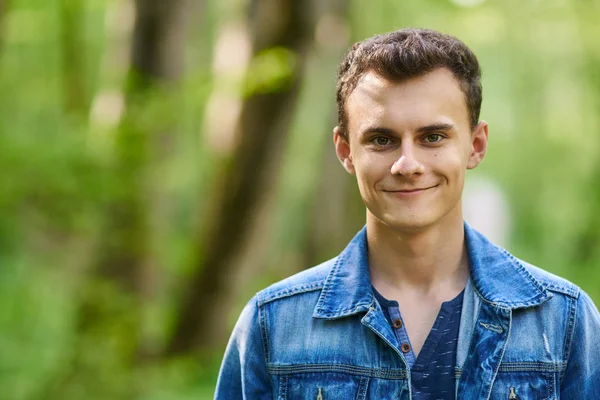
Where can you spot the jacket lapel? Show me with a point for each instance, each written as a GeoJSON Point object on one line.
{"type": "Point", "coordinates": [348, 291]}
{"type": "Point", "coordinates": [498, 285]}
{"type": "Point", "coordinates": [490, 335]}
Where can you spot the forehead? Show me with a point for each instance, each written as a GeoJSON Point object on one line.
{"type": "Point", "coordinates": [432, 97]}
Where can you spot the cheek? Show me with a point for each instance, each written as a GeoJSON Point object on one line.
{"type": "Point", "coordinates": [450, 163]}
{"type": "Point", "coordinates": [448, 157]}
{"type": "Point", "coordinates": [370, 172]}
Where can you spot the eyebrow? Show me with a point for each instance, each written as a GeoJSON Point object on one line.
{"type": "Point", "coordinates": [435, 128]}
{"type": "Point", "coordinates": [420, 130]}
{"type": "Point", "coordinates": [378, 129]}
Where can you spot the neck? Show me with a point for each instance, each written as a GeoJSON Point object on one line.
{"type": "Point", "coordinates": [427, 259]}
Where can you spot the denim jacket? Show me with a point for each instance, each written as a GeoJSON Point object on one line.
{"type": "Point", "coordinates": [320, 334]}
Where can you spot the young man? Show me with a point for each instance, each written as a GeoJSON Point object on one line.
{"type": "Point", "coordinates": [419, 305]}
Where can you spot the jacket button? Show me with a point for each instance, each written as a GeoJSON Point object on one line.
{"type": "Point", "coordinates": [405, 347]}
{"type": "Point", "coordinates": [397, 323]}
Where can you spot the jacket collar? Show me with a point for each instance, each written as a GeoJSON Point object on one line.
{"type": "Point", "coordinates": [497, 277]}
{"type": "Point", "coordinates": [347, 289]}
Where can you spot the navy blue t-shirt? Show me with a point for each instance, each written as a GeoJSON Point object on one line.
{"type": "Point", "coordinates": [432, 372]}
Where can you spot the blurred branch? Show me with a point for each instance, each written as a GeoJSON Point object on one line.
{"type": "Point", "coordinates": [279, 31]}
{"type": "Point", "coordinates": [157, 52]}
{"type": "Point", "coordinates": [3, 10]}
{"type": "Point", "coordinates": [73, 49]}
{"type": "Point", "coordinates": [158, 44]}
{"type": "Point", "coordinates": [157, 63]}
{"type": "Point", "coordinates": [337, 218]}
{"type": "Point", "coordinates": [587, 249]}
{"type": "Point", "coordinates": [116, 292]}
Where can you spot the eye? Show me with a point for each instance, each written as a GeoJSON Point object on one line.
{"type": "Point", "coordinates": [381, 141]}
{"type": "Point", "coordinates": [433, 138]}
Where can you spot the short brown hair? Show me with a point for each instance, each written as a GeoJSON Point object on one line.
{"type": "Point", "coordinates": [408, 53]}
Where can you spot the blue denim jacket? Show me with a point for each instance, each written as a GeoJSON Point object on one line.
{"type": "Point", "coordinates": [320, 334]}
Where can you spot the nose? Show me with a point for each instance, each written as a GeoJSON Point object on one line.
{"type": "Point", "coordinates": [407, 165]}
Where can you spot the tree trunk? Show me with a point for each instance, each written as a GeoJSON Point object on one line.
{"type": "Point", "coordinates": [336, 217]}
{"type": "Point", "coordinates": [76, 101]}
{"type": "Point", "coordinates": [3, 9]}
{"type": "Point", "coordinates": [587, 250]}
{"type": "Point", "coordinates": [156, 63]}
{"type": "Point", "coordinates": [113, 297]}
{"type": "Point", "coordinates": [264, 118]}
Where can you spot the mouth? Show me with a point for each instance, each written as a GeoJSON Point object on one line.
{"type": "Point", "coordinates": [410, 191]}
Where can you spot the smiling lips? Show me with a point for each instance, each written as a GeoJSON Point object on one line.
{"type": "Point", "coordinates": [407, 192]}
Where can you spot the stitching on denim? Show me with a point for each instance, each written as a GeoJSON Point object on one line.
{"type": "Point", "coordinates": [292, 291]}
{"type": "Point", "coordinates": [486, 301]}
{"type": "Point", "coordinates": [327, 284]}
{"type": "Point", "coordinates": [337, 368]}
{"type": "Point", "coordinates": [572, 291]}
{"type": "Point", "coordinates": [569, 332]}
{"type": "Point", "coordinates": [472, 343]}
{"type": "Point", "coordinates": [345, 311]}
{"type": "Point", "coordinates": [367, 319]}
{"type": "Point", "coordinates": [501, 355]}
{"type": "Point", "coordinates": [283, 388]}
{"type": "Point", "coordinates": [262, 322]}
{"type": "Point", "coordinates": [491, 327]}
{"type": "Point", "coordinates": [531, 366]}
{"type": "Point", "coordinates": [361, 393]}
{"type": "Point", "coordinates": [523, 271]}
{"type": "Point", "coordinates": [552, 388]}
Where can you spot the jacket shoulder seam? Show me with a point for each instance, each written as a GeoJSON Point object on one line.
{"type": "Point", "coordinates": [569, 333]}
{"type": "Point", "coordinates": [569, 291]}
{"type": "Point", "coordinates": [264, 332]}
{"type": "Point", "coordinates": [563, 286]}
{"type": "Point", "coordinates": [264, 298]}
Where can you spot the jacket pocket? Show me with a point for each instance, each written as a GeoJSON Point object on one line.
{"type": "Point", "coordinates": [323, 386]}
{"type": "Point", "coordinates": [524, 385]}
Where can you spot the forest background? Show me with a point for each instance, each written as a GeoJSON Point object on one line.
{"type": "Point", "coordinates": [164, 160]}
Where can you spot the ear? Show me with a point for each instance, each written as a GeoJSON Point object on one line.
{"type": "Point", "coordinates": [479, 142]}
{"type": "Point", "coordinates": [342, 149]}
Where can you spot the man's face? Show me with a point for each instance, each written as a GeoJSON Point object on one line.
{"type": "Point", "coordinates": [409, 145]}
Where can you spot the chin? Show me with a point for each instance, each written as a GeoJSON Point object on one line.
{"type": "Point", "coordinates": [408, 223]}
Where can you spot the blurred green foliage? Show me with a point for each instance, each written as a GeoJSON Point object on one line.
{"type": "Point", "coordinates": [541, 84]}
